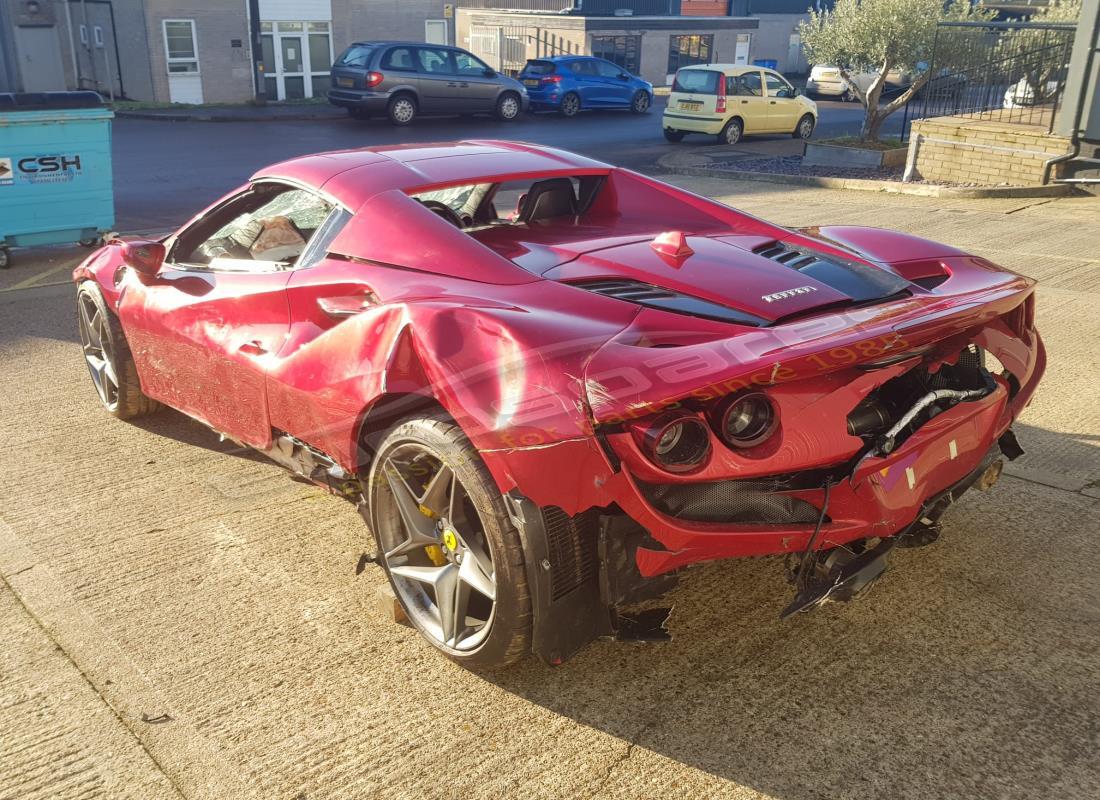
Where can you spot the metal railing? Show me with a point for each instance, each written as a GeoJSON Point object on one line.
{"type": "Point", "coordinates": [1011, 72]}
{"type": "Point", "coordinates": [506, 48]}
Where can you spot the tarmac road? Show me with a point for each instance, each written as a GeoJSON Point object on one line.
{"type": "Point", "coordinates": [166, 171]}
{"type": "Point", "coordinates": [181, 620]}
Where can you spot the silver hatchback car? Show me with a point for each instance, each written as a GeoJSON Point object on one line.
{"type": "Point", "coordinates": [405, 79]}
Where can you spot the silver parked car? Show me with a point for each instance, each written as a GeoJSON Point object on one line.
{"type": "Point", "coordinates": [405, 79]}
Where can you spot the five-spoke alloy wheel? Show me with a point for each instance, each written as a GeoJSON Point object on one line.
{"type": "Point", "coordinates": [108, 357]}
{"type": "Point", "coordinates": [452, 555]}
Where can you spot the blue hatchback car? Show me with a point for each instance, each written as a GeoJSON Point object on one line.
{"type": "Point", "coordinates": [569, 84]}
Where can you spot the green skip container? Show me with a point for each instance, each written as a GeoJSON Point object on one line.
{"type": "Point", "coordinates": [56, 185]}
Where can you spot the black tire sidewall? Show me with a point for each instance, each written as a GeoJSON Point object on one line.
{"type": "Point", "coordinates": [724, 135]}
{"type": "Point", "coordinates": [576, 107]}
{"type": "Point", "coordinates": [798, 127]}
{"type": "Point", "coordinates": [130, 401]}
{"type": "Point", "coordinates": [509, 636]}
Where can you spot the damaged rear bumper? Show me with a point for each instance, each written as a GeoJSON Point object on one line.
{"type": "Point", "coordinates": [879, 498]}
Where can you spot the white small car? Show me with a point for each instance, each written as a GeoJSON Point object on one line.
{"type": "Point", "coordinates": [825, 81]}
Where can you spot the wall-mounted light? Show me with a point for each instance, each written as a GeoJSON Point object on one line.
{"type": "Point", "coordinates": [33, 7]}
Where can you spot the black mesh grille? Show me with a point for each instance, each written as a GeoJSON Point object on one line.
{"type": "Point", "coordinates": [571, 542]}
{"type": "Point", "coordinates": [743, 502]}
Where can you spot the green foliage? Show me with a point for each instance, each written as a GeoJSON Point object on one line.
{"type": "Point", "coordinates": [880, 36]}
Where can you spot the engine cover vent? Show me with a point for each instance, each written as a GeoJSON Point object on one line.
{"type": "Point", "coordinates": [861, 282]}
{"type": "Point", "coordinates": [646, 294]}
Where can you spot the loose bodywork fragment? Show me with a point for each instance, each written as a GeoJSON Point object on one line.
{"type": "Point", "coordinates": [551, 384]}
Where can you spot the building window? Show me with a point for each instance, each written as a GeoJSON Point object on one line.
{"type": "Point", "coordinates": [683, 51]}
{"type": "Point", "coordinates": [179, 44]}
{"type": "Point", "coordinates": [621, 50]}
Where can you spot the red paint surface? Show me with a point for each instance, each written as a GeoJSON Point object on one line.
{"type": "Point", "coordinates": [529, 366]}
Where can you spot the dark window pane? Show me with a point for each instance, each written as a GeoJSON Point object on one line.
{"type": "Point", "coordinates": [271, 88]}
{"type": "Point", "coordinates": [319, 54]}
{"type": "Point", "coordinates": [699, 81]}
{"type": "Point", "coordinates": [619, 50]}
{"type": "Point", "coordinates": [355, 56]}
{"type": "Point", "coordinates": [295, 88]}
{"type": "Point", "coordinates": [466, 64]}
{"type": "Point", "coordinates": [539, 67]}
{"type": "Point", "coordinates": [320, 85]}
{"type": "Point", "coordinates": [399, 58]}
{"type": "Point", "coordinates": [435, 61]}
{"type": "Point", "coordinates": [683, 51]}
{"type": "Point", "coordinates": [267, 52]}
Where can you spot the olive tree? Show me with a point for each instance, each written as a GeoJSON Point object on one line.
{"type": "Point", "coordinates": [878, 37]}
{"type": "Point", "coordinates": [1033, 54]}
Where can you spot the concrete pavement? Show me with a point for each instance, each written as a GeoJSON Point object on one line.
{"type": "Point", "coordinates": [201, 587]}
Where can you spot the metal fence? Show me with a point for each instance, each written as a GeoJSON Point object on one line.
{"type": "Point", "coordinates": [1001, 71]}
{"type": "Point", "coordinates": [507, 48]}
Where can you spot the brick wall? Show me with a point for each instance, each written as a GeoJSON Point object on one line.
{"type": "Point", "coordinates": [985, 152]}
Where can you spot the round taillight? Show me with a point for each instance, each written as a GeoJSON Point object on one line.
{"type": "Point", "coordinates": [677, 443]}
{"type": "Point", "coordinates": [746, 420]}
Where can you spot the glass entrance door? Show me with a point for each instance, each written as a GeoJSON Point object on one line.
{"type": "Point", "coordinates": [291, 64]}
{"type": "Point", "coordinates": [297, 57]}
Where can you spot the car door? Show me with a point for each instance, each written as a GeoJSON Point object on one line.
{"type": "Point", "coordinates": [784, 109]}
{"type": "Point", "coordinates": [204, 330]}
{"type": "Point", "coordinates": [587, 82]}
{"type": "Point", "coordinates": [438, 83]}
{"type": "Point", "coordinates": [477, 83]}
{"type": "Point", "coordinates": [750, 102]}
{"type": "Point", "coordinates": [614, 84]}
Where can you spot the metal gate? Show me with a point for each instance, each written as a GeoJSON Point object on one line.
{"type": "Point", "coordinates": [507, 48]}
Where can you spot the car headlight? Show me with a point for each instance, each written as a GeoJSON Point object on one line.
{"type": "Point", "coordinates": [745, 420]}
{"type": "Point", "coordinates": [674, 441]}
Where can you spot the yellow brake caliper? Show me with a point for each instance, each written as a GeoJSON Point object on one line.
{"type": "Point", "coordinates": [434, 551]}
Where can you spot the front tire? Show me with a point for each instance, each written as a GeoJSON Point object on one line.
{"type": "Point", "coordinates": [107, 354]}
{"type": "Point", "coordinates": [731, 133]}
{"type": "Point", "coordinates": [449, 548]}
{"type": "Point", "coordinates": [805, 127]}
{"type": "Point", "coordinates": [640, 103]}
{"type": "Point", "coordinates": [508, 107]}
{"type": "Point", "coordinates": [402, 110]}
{"type": "Point", "coordinates": [570, 105]}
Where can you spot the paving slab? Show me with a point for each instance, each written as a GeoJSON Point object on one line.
{"type": "Point", "coordinates": [58, 738]}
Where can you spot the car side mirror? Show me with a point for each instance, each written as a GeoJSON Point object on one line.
{"type": "Point", "coordinates": [489, 73]}
{"type": "Point", "coordinates": [145, 258]}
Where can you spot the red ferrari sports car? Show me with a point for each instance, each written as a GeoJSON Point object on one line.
{"type": "Point", "coordinates": [550, 384]}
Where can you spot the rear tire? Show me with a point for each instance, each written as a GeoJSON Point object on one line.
{"type": "Point", "coordinates": [640, 102]}
{"type": "Point", "coordinates": [5, 258]}
{"type": "Point", "coordinates": [107, 354]}
{"type": "Point", "coordinates": [674, 136]}
{"type": "Point", "coordinates": [402, 110]}
{"type": "Point", "coordinates": [466, 515]}
{"type": "Point", "coordinates": [570, 105]}
{"type": "Point", "coordinates": [805, 128]}
{"type": "Point", "coordinates": [731, 133]}
{"type": "Point", "coordinates": [508, 107]}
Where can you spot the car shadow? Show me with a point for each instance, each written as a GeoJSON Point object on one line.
{"type": "Point", "coordinates": [172, 424]}
{"type": "Point", "coordinates": [964, 673]}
